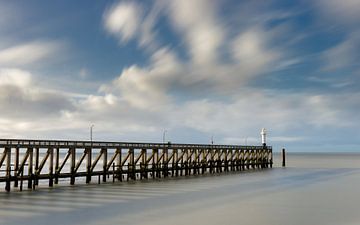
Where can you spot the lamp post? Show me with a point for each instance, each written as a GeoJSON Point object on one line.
{"type": "Point", "coordinates": [164, 135]}
{"type": "Point", "coordinates": [91, 132]}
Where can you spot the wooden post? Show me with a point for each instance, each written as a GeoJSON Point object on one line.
{"type": "Point", "coordinates": [21, 178]}
{"type": "Point", "coordinates": [17, 153]}
{"type": "Point", "coordinates": [88, 165]}
{"type": "Point", "coordinates": [132, 164]}
{"type": "Point", "coordinates": [51, 167]}
{"type": "Point", "coordinates": [283, 158]}
{"type": "Point", "coordinates": [36, 180]}
{"type": "Point", "coordinates": [72, 165]}
{"type": "Point", "coordinates": [104, 163]}
{"type": "Point", "coordinates": [8, 169]}
{"type": "Point", "coordinates": [113, 167]}
{"type": "Point", "coordinates": [119, 169]}
{"type": "Point", "coordinates": [57, 165]}
{"type": "Point", "coordinates": [30, 168]}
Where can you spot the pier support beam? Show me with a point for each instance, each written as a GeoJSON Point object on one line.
{"type": "Point", "coordinates": [72, 165]}
{"type": "Point", "coordinates": [30, 168]}
{"type": "Point", "coordinates": [8, 168]}
{"type": "Point", "coordinates": [51, 167]}
{"type": "Point", "coordinates": [283, 157]}
{"type": "Point", "coordinates": [57, 157]}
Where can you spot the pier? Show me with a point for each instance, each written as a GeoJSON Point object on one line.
{"type": "Point", "coordinates": [57, 161]}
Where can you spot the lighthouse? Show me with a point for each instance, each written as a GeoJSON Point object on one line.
{"type": "Point", "coordinates": [263, 136]}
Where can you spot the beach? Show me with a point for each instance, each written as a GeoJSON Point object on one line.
{"type": "Point", "coordinates": [312, 189]}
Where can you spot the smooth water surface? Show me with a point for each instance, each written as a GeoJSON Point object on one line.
{"type": "Point", "coordinates": [321, 189]}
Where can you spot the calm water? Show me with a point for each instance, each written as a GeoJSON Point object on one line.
{"type": "Point", "coordinates": [321, 189]}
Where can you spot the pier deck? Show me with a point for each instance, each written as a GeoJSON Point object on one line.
{"type": "Point", "coordinates": [33, 160]}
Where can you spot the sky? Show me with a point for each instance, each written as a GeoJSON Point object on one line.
{"type": "Point", "coordinates": [194, 70]}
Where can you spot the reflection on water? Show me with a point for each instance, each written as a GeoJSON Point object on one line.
{"type": "Point", "coordinates": [314, 189]}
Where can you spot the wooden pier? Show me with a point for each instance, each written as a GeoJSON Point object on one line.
{"type": "Point", "coordinates": [30, 161]}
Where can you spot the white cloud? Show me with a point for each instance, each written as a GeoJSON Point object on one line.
{"type": "Point", "coordinates": [14, 77]}
{"type": "Point", "coordinates": [20, 97]}
{"type": "Point", "coordinates": [198, 23]}
{"type": "Point", "coordinates": [251, 50]}
{"type": "Point", "coordinates": [28, 53]}
{"type": "Point", "coordinates": [123, 20]}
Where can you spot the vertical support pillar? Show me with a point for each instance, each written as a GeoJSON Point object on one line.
{"type": "Point", "coordinates": [104, 150]}
{"type": "Point", "coordinates": [175, 162]}
{"type": "Point", "coordinates": [187, 162]}
{"type": "Point", "coordinates": [226, 160]}
{"type": "Point", "coordinates": [153, 163]}
{"type": "Point", "coordinates": [37, 156]}
{"type": "Point", "coordinates": [119, 169]}
{"type": "Point", "coordinates": [283, 158]}
{"type": "Point", "coordinates": [131, 166]}
{"type": "Point", "coordinates": [157, 166]}
{"type": "Point", "coordinates": [8, 169]}
{"type": "Point", "coordinates": [72, 165]}
{"type": "Point", "coordinates": [30, 168]}
{"type": "Point", "coordinates": [57, 158]}
{"type": "Point", "coordinates": [204, 161]}
{"type": "Point", "coordinates": [51, 167]}
{"type": "Point", "coordinates": [182, 162]}
{"type": "Point", "coordinates": [143, 166]}
{"type": "Point", "coordinates": [88, 164]}
{"type": "Point", "coordinates": [17, 156]}
{"type": "Point", "coordinates": [165, 162]}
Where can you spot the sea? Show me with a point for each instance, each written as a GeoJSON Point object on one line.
{"type": "Point", "coordinates": [313, 189]}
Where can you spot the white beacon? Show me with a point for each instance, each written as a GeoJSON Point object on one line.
{"type": "Point", "coordinates": [263, 136]}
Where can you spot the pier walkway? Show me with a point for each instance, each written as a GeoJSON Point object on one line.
{"type": "Point", "coordinates": [30, 161]}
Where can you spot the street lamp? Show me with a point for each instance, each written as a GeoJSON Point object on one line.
{"type": "Point", "coordinates": [164, 133]}
{"type": "Point", "coordinates": [91, 132]}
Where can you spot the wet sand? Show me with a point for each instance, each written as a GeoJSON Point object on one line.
{"type": "Point", "coordinates": [317, 189]}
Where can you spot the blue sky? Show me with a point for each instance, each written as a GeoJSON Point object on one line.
{"type": "Point", "coordinates": [196, 69]}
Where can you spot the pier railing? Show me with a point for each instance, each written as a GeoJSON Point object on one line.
{"type": "Point", "coordinates": [54, 160]}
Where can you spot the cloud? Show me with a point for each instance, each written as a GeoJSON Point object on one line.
{"type": "Point", "coordinates": [14, 77]}
{"type": "Point", "coordinates": [345, 11]}
{"type": "Point", "coordinates": [20, 98]}
{"type": "Point", "coordinates": [343, 55]}
{"type": "Point", "coordinates": [123, 20]}
{"type": "Point", "coordinates": [198, 23]}
{"type": "Point", "coordinates": [147, 87]}
{"type": "Point", "coordinates": [28, 53]}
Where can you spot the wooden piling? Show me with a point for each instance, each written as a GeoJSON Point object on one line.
{"type": "Point", "coordinates": [16, 167]}
{"type": "Point", "coordinates": [30, 168]}
{"type": "Point", "coordinates": [51, 167]}
{"type": "Point", "coordinates": [8, 169]}
{"type": "Point", "coordinates": [165, 160]}
{"type": "Point", "coordinates": [283, 157]}
{"type": "Point", "coordinates": [72, 165]}
{"type": "Point", "coordinates": [57, 158]}
{"type": "Point", "coordinates": [104, 150]}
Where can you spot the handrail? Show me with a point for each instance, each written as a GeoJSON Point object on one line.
{"type": "Point", "coordinates": [71, 143]}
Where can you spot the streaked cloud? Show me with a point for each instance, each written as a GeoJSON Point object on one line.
{"type": "Point", "coordinates": [25, 54]}
{"type": "Point", "coordinates": [123, 20]}
{"type": "Point", "coordinates": [196, 68]}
